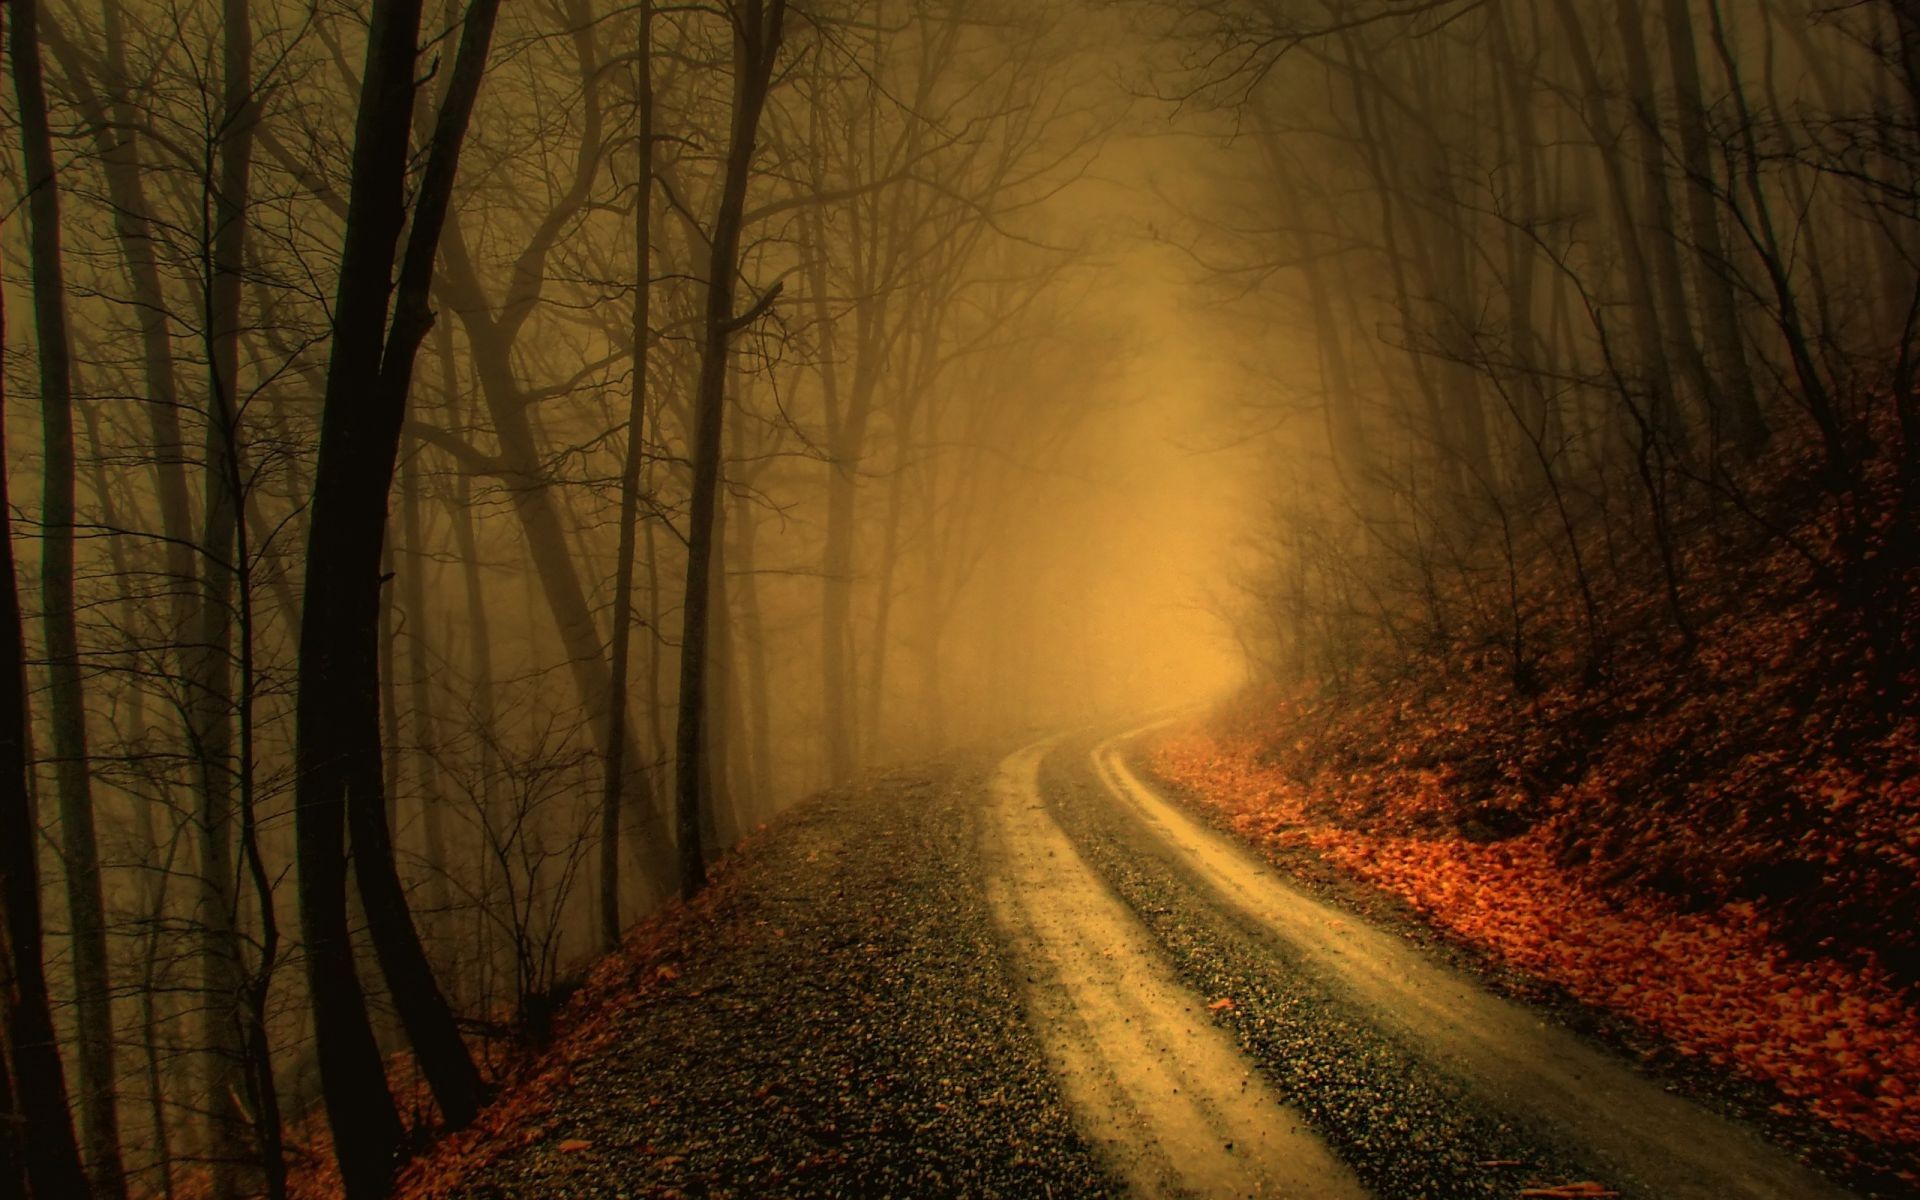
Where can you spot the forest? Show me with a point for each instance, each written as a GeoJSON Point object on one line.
{"type": "Point", "coordinates": [476, 475]}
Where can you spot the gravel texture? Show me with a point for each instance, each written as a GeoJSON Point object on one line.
{"type": "Point", "coordinates": [1405, 1128]}
{"type": "Point", "coordinates": [844, 1022]}
{"type": "Point", "coordinates": [1861, 1166]}
{"type": "Point", "coordinates": [846, 1027]}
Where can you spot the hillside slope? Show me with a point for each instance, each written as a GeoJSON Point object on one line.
{"type": "Point", "coordinates": [1718, 841]}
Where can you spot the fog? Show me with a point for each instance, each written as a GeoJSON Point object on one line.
{"type": "Point", "coordinates": [561, 441]}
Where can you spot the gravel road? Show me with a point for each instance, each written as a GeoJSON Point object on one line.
{"type": "Point", "coordinates": [1036, 977]}
{"type": "Point", "coordinates": [846, 1028]}
{"type": "Point", "coordinates": [1422, 1081]}
{"type": "Point", "coordinates": [1176, 1109]}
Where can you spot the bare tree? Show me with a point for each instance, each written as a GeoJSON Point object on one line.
{"type": "Point", "coordinates": [39, 1156]}
{"type": "Point", "coordinates": [73, 780]}
{"type": "Point", "coordinates": [618, 735]}
{"type": "Point", "coordinates": [369, 373]}
{"type": "Point", "coordinates": [758, 26]}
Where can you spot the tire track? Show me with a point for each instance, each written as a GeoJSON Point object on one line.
{"type": "Point", "coordinates": [1509, 1060]}
{"type": "Point", "coordinates": [1150, 1078]}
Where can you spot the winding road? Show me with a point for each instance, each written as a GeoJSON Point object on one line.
{"type": "Point", "coordinates": [1036, 976]}
{"type": "Point", "coordinates": [1139, 1067]}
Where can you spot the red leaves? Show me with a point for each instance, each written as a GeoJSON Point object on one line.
{"type": "Point", "coordinates": [1840, 1039]}
{"type": "Point", "coordinates": [1716, 983]}
{"type": "Point", "coordinates": [588, 1028]}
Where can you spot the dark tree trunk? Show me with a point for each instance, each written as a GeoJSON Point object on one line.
{"type": "Point", "coordinates": [211, 702]}
{"type": "Point", "coordinates": [100, 1120]}
{"type": "Point", "coordinates": [618, 737]}
{"type": "Point", "coordinates": [1641, 297]}
{"type": "Point", "coordinates": [1660, 223]}
{"type": "Point", "coordinates": [366, 1125]}
{"type": "Point", "coordinates": [422, 1006]}
{"type": "Point", "coordinates": [39, 1156]}
{"type": "Point", "coordinates": [336, 709]}
{"type": "Point", "coordinates": [1734, 406]}
{"type": "Point", "coordinates": [757, 28]}
{"type": "Point", "coordinates": [416, 994]}
{"type": "Point", "coordinates": [13, 1150]}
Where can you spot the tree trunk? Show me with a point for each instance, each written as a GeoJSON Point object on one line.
{"type": "Point", "coordinates": [425, 733]}
{"type": "Point", "coordinates": [873, 703]}
{"type": "Point", "coordinates": [388, 659]}
{"type": "Point", "coordinates": [618, 734]}
{"type": "Point", "coordinates": [211, 706]}
{"type": "Point", "coordinates": [912, 395]}
{"type": "Point", "coordinates": [365, 1124]}
{"type": "Point", "coordinates": [13, 1150]}
{"type": "Point", "coordinates": [121, 164]}
{"type": "Point", "coordinates": [757, 28]}
{"type": "Point", "coordinates": [100, 1122]}
{"type": "Point", "coordinates": [422, 1007]}
{"type": "Point", "coordinates": [754, 667]}
{"type": "Point", "coordinates": [479, 629]}
{"type": "Point", "coordinates": [837, 652]}
{"type": "Point", "coordinates": [1734, 409]}
{"type": "Point", "coordinates": [1532, 405]}
{"type": "Point", "coordinates": [1642, 304]}
{"type": "Point", "coordinates": [336, 708]}
{"type": "Point", "coordinates": [836, 583]}
{"type": "Point", "coordinates": [521, 471]}
{"type": "Point", "coordinates": [1660, 223]}
{"type": "Point", "coordinates": [416, 994]}
{"type": "Point", "coordinates": [39, 1156]}
{"type": "Point", "coordinates": [111, 122]}
{"type": "Point", "coordinates": [1389, 193]}
{"type": "Point", "coordinates": [726, 716]}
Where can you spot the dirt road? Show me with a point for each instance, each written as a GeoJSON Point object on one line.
{"type": "Point", "coordinates": [1033, 976]}
{"type": "Point", "coordinates": [1497, 1059]}
{"type": "Point", "coordinates": [1163, 1090]}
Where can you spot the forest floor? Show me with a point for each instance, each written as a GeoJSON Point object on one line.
{"type": "Point", "coordinates": [1042, 978]}
{"type": "Point", "coordinates": [832, 1019]}
{"type": "Point", "coordinates": [1820, 1052]}
{"type": "Point", "coordinates": [1696, 838]}
{"type": "Point", "coordinates": [1720, 876]}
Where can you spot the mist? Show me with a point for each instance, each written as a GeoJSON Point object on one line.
{"type": "Point", "coordinates": [487, 483]}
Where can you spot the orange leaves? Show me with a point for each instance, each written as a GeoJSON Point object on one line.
{"type": "Point", "coordinates": [1223, 1004]}
{"type": "Point", "coordinates": [646, 958]}
{"type": "Point", "coordinates": [1716, 983]}
{"type": "Point", "coordinates": [1840, 1040]}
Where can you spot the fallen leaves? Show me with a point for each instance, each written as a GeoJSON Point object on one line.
{"type": "Point", "coordinates": [585, 1030]}
{"type": "Point", "coordinates": [1223, 1004]}
{"type": "Point", "coordinates": [1839, 1038]}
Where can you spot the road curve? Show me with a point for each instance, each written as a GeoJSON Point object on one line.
{"type": "Point", "coordinates": [1163, 1090]}
{"type": "Point", "coordinates": [1646, 1140]}
{"type": "Point", "coordinates": [963, 980]}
